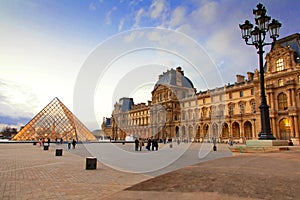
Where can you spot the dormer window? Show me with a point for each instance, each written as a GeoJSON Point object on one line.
{"type": "Point", "coordinates": [279, 65]}
{"type": "Point", "coordinates": [280, 82]}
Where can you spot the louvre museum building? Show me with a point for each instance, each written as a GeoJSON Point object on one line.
{"type": "Point", "coordinates": [229, 112]}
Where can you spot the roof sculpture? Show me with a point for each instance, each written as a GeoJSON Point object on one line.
{"type": "Point", "coordinates": [55, 121]}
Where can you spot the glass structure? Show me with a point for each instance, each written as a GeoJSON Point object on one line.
{"type": "Point", "coordinates": [55, 121]}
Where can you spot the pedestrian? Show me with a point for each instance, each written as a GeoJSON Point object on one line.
{"type": "Point", "coordinates": [141, 144]}
{"type": "Point", "coordinates": [48, 142]}
{"type": "Point", "coordinates": [149, 144]}
{"type": "Point", "coordinates": [136, 144]}
{"type": "Point", "coordinates": [153, 144]}
{"type": "Point", "coordinates": [69, 144]}
{"type": "Point", "coordinates": [74, 143]}
{"type": "Point", "coordinates": [156, 145]}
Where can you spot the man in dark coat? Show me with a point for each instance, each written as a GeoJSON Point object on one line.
{"type": "Point", "coordinates": [136, 144]}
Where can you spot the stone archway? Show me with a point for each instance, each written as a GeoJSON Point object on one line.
{"type": "Point", "coordinates": [248, 130]}
{"type": "Point", "coordinates": [215, 130]}
{"type": "Point", "coordinates": [183, 132]}
{"type": "Point", "coordinates": [177, 131]}
{"type": "Point", "coordinates": [284, 129]}
{"type": "Point", "coordinates": [191, 133]}
{"type": "Point", "coordinates": [205, 130]}
{"type": "Point", "coordinates": [235, 130]}
{"type": "Point", "coordinates": [225, 131]}
{"type": "Point", "coordinates": [198, 133]}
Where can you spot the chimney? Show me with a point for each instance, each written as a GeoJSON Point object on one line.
{"type": "Point", "coordinates": [240, 78]}
{"type": "Point", "coordinates": [250, 76]}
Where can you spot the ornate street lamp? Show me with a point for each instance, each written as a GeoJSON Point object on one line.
{"type": "Point", "coordinates": [258, 35]}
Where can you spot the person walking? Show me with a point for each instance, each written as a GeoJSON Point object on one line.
{"type": "Point", "coordinates": [74, 143]}
{"type": "Point", "coordinates": [136, 144]}
{"type": "Point", "coordinates": [149, 144]}
{"type": "Point", "coordinates": [140, 143]}
{"type": "Point", "coordinates": [69, 144]}
{"type": "Point", "coordinates": [156, 145]}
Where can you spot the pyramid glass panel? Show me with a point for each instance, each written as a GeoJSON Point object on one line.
{"type": "Point", "coordinates": [55, 121]}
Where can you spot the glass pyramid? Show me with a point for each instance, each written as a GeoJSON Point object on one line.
{"type": "Point", "coordinates": [55, 121]}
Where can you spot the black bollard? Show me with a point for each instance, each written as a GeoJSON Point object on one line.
{"type": "Point", "coordinates": [91, 163]}
{"type": "Point", "coordinates": [58, 152]}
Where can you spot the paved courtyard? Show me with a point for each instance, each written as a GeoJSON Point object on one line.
{"type": "Point", "coordinates": [29, 172]}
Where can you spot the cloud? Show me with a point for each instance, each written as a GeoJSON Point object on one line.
{"type": "Point", "coordinates": [156, 8]}
{"type": "Point", "coordinates": [92, 6]}
{"type": "Point", "coordinates": [121, 24]}
{"type": "Point", "coordinates": [177, 16]}
{"type": "Point", "coordinates": [138, 17]}
{"type": "Point", "coordinates": [16, 100]}
{"type": "Point", "coordinates": [108, 15]}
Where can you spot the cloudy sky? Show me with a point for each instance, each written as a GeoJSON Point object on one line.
{"type": "Point", "coordinates": [89, 53]}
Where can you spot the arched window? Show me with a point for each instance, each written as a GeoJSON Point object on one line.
{"type": "Point", "coordinates": [242, 108]}
{"type": "Point", "coordinates": [241, 93]}
{"type": "Point", "coordinates": [279, 65]}
{"type": "Point", "coordinates": [204, 111]}
{"type": "Point", "coordinates": [253, 107]}
{"type": "Point", "coordinates": [282, 101]}
{"type": "Point", "coordinates": [230, 110]}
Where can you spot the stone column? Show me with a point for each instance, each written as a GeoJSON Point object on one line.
{"type": "Point", "coordinates": [290, 99]}
{"type": "Point", "coordinates": [274, 130]}
{"type": "Point", "coordinates": [254, 129]}
{"type": "Point", "coordinates": [296, 125]}
{"type": "Point", "coordinates": [293, 98]}
{"type": "Point", "coordinates": [272, 101]}
{"type": "Point", "coordinates": [292, 127]}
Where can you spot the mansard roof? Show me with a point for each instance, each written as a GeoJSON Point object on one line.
{"type": "Point", "coordinates": [170, 78]}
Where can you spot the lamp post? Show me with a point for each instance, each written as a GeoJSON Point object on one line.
{"type": "Point", "coordinates": [258, 35]}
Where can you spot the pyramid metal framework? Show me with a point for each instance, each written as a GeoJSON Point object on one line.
{"type": "Point", "coordinates": [55, 121]}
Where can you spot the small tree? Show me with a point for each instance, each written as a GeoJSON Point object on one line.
{"type": "Point", "coordinates": [8, 132]}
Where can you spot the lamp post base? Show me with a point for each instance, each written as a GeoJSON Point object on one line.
{"type": "Point", "coordinates": [266, 136]}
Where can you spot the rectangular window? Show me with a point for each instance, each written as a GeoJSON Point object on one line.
{"type": "Point", "coordinates": [279, 65]}
{"type": "Point", "coordinates": [230, 95]}
{"type": "Point", "coordinates": [298, 78]}
{"type": "Point", "coordinates": [252, 91]}
{"type": "Point", "coordinates": [241, 94]}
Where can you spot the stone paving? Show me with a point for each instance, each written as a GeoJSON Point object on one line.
{"type": "Point", "coordinates": [29, 172]}
{"type": "Point", "coordinates": [273, 176]}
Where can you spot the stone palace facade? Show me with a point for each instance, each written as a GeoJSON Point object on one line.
{"type": "Point", "coordinates": [230, 112]}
